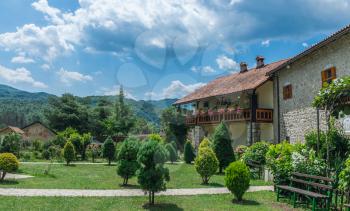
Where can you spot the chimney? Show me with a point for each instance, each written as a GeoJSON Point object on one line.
{"type": "Point", "coordinates": [244, 67]}
{"type": "Point", "coordinates": [259, 62]}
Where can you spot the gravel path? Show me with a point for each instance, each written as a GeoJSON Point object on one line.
{"type": "Point", "coordinates": [113, 193]}
{"type": "Point", "coordinates": [16, 176]}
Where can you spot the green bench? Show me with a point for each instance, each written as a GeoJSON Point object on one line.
{"type": "Point", "coordinates": [255, 168]}
{"type": "Point", "coordinates": [305, 188]}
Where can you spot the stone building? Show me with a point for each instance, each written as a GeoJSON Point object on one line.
{"type": "Point", "coordinates": [298, 81]}
{"type": "Point", "coordinates": [243, 100]}
{"type": "Point", "coordinates": [274, 101]}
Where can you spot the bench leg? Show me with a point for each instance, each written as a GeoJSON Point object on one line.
{"type": "Point", "coordinates": [278, 194]}
{"type": "Point", "coordinates": [294, 199]}
{"type": "Point", "coordinates": [313, 204]}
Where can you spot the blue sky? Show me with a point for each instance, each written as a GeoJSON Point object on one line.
{"type": "Point", "coordinates": [155, 49]}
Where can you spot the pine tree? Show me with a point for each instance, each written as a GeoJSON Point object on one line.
{"type": "Point", "coordinates": [188, 152]}
{"type": "Point", "coordinates": [222, 146]}
{"type": "Point", "coordinates": [108, 150]}
{"type": "Point", "coordinates": [68, 152]}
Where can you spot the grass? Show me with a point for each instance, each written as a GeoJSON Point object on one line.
{"type": "Point", "coordinates": [104, 177]}
{"type": "Point", "coordinates": [260, 201]}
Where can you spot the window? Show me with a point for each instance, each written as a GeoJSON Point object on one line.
{"type": "Point", "coordinates": [328, 76]}
{"type": "Point", "coordinates": [287, 92]}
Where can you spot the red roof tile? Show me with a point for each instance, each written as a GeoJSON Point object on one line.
{"type": "Point", "coordinates": [236, 82]}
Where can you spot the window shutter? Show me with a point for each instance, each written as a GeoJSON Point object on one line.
{"type": "Point", "coordinates": [334, 73]}
{"type": "Point", "coordinates": [324, 75]}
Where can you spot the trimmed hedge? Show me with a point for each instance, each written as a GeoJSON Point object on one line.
{"type": "Point", "coordinates": [8, 163]}
{"type": "Point", "coordinates": [237, 179]}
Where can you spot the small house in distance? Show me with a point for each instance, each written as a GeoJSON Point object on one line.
{"type": "Point", "coordinates": [38, 130]}
{"type": "Point", "coordinates": [10, 129]}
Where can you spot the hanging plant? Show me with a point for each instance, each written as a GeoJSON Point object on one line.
{"type": "Point", "coordinates": [333, 95]}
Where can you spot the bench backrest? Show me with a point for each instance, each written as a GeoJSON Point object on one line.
{"type": "Point", "coordinates": [312, 183]}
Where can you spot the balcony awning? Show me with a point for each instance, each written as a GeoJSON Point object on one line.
{"type": "Point", "coordinates": [237, 82]}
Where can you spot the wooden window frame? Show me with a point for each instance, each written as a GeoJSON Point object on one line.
{"type": "Point", "coordinates": [287, 92]}
{"type": "Point", "coordinates": [328, 75]}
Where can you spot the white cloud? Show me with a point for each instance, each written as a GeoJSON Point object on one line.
{"type": "Point", "coordinates": [22, 60]}
{"type": "Point", "coordinates": [19, 75]}
{"type": "Point", "coordinates": [53, 14]}
{"type": "Point", "coordinates": [305, 45]}
{"type": "Point", "coordinates": [68, 77]}
{"type": "Point", "coordinates": [45, 67]}
{"type": "Point", "coordinates": [41, 42]}
{"type": "Point", "coordinates": [177, 89]}
{"type": "Point", "coordinates": [205, 69]}
{"type": "Point", "coordinates": [115, 91]}
{"type": "Point", "coordinates": [265, 43]}
{"type": "Point", "coordinates": [226, 63]}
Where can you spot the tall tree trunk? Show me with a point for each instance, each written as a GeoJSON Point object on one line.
{"type": "Point", "coordinates": [149, 197]}
{"type": "Point", "coordinates": [152, 197]}
{"type": "Point", "coordinates": [3, 176]}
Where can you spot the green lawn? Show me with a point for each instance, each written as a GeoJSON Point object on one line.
{"type": "Point", "coordinates": [254, 201]}
{"type": "Point", "coordinates": [104, 177]}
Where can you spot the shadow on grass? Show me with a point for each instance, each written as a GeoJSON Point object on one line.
{"type": "Point", "coordinates": [129, 186]}
{"type": "Point", "coordinates": [213, 184]}
{"type": "Point", "coordinates": [163, 206]}
{"type": "Point", "coordinates": [245, 202]}
{"type": "Point", "coordinates": [9, 182]}
{"type": "Point", "coordinates": [110, 165]}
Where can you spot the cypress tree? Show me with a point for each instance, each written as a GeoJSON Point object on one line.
{"type": "Point", "coordinates": [222, 146]}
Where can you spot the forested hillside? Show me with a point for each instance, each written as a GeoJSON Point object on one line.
{"type": "Point", "coordinates": [19, 108]}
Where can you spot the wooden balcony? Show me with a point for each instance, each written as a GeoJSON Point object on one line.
{"type": "Point", "coordinates": [262, 115]}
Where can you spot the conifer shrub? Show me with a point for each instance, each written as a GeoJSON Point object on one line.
{"type": "Point", "coordinates": [127, 159]}
{"type": "Point", "coordinates": [222, 146]}
{"type": "Point", "coordinates": [108, 150]}
{"type": "Point", "coordinates": [171, 152]}
{"type": "Point", "coordinates": [69, 152]}
{"type": "Point", "coordinates": [8, 163]}
{"type": "Point", "coordinates": [206, 164]}
{"type": "Point", "coordinates": [237, 179]}
{"type": "Point", "coordinates": [152, 175]}
{"type": "Point", "coordinates": [188, 152]}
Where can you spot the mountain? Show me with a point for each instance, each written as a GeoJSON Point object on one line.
{"type": "Point", "coordinates": [10, 93]}
{"type": "Point", "coordinates": [19, 108]}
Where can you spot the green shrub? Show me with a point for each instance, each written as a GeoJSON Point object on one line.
{"type": "Point", "coordinates": [76, 140]}
{"type": "Point", "coordinates": [173, 143]}
{"type": "Point", "coordinates": [188, 152]}
{"type": "Point", "coordinates": [26, 156]}
{"type": "Point", "coordinates": [205, 143]}
{"type": "Point", "coordinates": [240, 150]}
{"type": "Point", "coordinates": [152, 174]}
{"type": "Point", "coordinates": [344, 177]}
{"type": "Point", "coordinates": [69, 152]}
{"type": "Point", "coordinates": [94, 151]}
{"type": "Point", "coordinates": [279, 160]}
{"type": "Point", "coordinates": [222, 146]}
{"type": "Point", "coordinates": [8, 163]}
{"type": "Point", "coordinates": [37, 145]}
{"type": "Point", "coordinates": [237, 179]}
{"type": "Point", "coordinates": [11, 143]}
{"type": "Point", "coordinates": [305, 161]}
{"type": "Point", "coordinates": [156, 137]}
{"type": "Point", "coordinates": [127, 159]}
{"type": "Point", "coordinates": [206, 164]}
{"type": "Point", "coordinates": [256, 152]}
{"type": "Point", "coordinates": [46, 154]}
{"type": "Point", "coordinates": [36, 155]}
{"type": "Point", "coordinates": [171, 152]}
{"type": "Point", "coordinates": [108, 150]}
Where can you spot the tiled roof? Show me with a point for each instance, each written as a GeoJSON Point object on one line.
{"type": "Point", "coordinates": [236, 82]}
{"type": "Point", "coordinates": [313, 48]}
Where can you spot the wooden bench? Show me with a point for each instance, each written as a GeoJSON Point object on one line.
{"type": "Point", "coordinates": [255, 167]}
{"type": "Point", "coordinates": [306, 188]}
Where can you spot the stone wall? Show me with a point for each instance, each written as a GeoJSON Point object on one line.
{"type": "Point", "coordinates": [296, 114]}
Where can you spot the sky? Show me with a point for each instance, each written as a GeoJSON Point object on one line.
{"type": "Point", "coordinates": [155, 49]}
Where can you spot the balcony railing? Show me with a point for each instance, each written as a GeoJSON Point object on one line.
{"type": "Point", "coordinates": [262, 115]}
